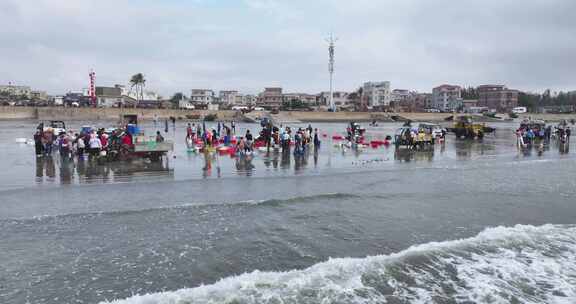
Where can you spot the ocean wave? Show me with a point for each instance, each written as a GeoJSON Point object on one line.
{"type": "Point", "coordinates": [263, 202]}
{"type": "Point", "coordinates": [520, 264]}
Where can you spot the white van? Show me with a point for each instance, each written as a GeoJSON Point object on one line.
{"type": "Point", "coordinates": [519, 110]}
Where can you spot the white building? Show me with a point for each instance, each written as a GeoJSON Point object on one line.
{"type": "Point", "coordinates": [41, 95]}
{"type": "Point", "coordinates": [249, 100]}
{"type": "Point", "coordinates": [228, 97]}
{"type": "Point", "coordinates": [340, 98]}
{"type": "Point", "coordinates": [400, 96]}
{"type": "Point", "coordinates": [447, 98]}
{"type": "Point", "coordinates": [82, 92]}
{"type": "Point", "coordinates": [377, 94]}
{"type": "Point", "coordinates": [16, 90]}
{"type": "Point", "coordinates": [132, 93]}
{"type": "Point", "coordinates": [202, 96]}
{"type": "Point", "coordinates": [58, 100]}
{"type": "Point", "coordinates": [185, 104]}
{"type": "Point", "coordinates": [307, 99]}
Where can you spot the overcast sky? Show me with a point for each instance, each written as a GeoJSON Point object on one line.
{"type": "Point", "coordinates": [251, 44]}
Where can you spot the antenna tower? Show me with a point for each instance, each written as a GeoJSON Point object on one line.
{"type": "Point", "coordinates": [331, 41]}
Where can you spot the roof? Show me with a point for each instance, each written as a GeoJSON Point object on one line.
{"type": "Point", "coordinates": [447, 86]}
{"type": "Point", "coordinates": [491, 86]}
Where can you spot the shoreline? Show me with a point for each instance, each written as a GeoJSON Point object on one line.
{"type": "Point", "coordinates": [78, 114]}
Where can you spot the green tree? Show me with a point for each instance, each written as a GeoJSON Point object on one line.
{"type": "Point", "coordinates": [177, 97]}
{"type": "Point", "coordinates": [528, 100]}
{"type": "Point", "coordinates": [470, 93]}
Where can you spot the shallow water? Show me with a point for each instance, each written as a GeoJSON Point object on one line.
{"type": "Point", "coordinates": [79, 232]}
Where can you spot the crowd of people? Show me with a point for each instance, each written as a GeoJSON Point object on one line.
{"type": "Point", "coordinates": [270, 137]}
{"type": "Point", "coordinates": [91, 143]}
{"type": "Point", "coordinates": [533, 133]}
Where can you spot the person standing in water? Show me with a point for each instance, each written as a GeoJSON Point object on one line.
{"type": "Point", "coordinates": [249, 141]}
{"type": "Point", "coordinates": [159, 137]}
{"type": "Point", "coordinates": [316, 139]}
{"type": "Point", "coordinates": [38, 143]}
{"type": "Point", "coordinates": [189, 131]}
{"type": "Point", "coordinates": [95, 145]}
{"type": "Point", "coordinates": [81, 147]}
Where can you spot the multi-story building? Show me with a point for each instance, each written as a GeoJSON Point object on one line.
{"type": "Point", "coordinates": [423, 101]}
{"type": "Point", "coordinates": [228, 97]}
{"type": "Point", "coordinates": [136, 95]}
{"type": "Point", "coordinates": [469, 104]}
{"type": "Point", "coordinates": [376, 94]}
{"type": "Point", "coordinates": [303, 98]}
{"type": "Point", "coordinates": [249, 100]}
{"type": "Point", "coordinates": [401, 99]}
{"type": "Point", "coordinates": [186, 104]}
{"type": "Point", "coordinates": [114, 91]}
{"type": "Point", "coordinates": [202, 96]}
{"type": "Point", "coordinates": [40, 95]}
{"type": "Point", "coordinates": [340, 98]}
{"type": "Point", "coordinates": [447, 98]}
{"type": "Point", "coordinates": [413, 102]}
{"type": "Point", "coordinates": [271, 98]}
{"type": "Point", "coordinates": [497, 97]}
{"type": "Point", "coordinates": [238, 99]}
{"type": "Point", "coordinates": [16, 90]}
{"type": "Point", "coordinates": [107, 97]}
{"type": "Point", "coordinates": [400, 96]}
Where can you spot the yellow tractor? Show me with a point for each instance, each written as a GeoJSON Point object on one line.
{"type": "Point", "coordinates": [464, 127]}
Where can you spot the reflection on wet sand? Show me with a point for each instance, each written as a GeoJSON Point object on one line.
{"type": "Point", "coordinates": [209, 160]}
{"type": "Point", "coordinates": [468, 149]}
{"type": "Point", "coordinates": [45, 167]}
{"type": "Point", "coordinates": [244, 166]}
{"type": "Point", "coordinates": [407, 155]}
{"type": "Point", "coordinates": [85, 171]}
{"type": "Point", "coordinates": [541, 147]}
{"type": "Point", "coordinates": [564, 148]}
{"type": "Point", "coordinates": [244, 163]}
{"type": "Point", "coordinates": [301, 161]}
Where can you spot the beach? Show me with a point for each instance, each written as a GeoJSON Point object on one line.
{"type": "Point", "coordinates": [466, 220]}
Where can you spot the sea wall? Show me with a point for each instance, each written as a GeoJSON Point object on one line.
{"type": "Point", "coordinates": [17, 113]}
{"type": "Point", "coordinates": [91, 114]}
{"type": "Point", "coordinates": [356, 116]}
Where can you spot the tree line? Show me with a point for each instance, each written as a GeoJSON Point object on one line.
{"type": "Point", "coordinates": [533, 101]}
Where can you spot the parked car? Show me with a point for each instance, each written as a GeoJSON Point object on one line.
{"type": "Point", "coordinates": [434, 129]}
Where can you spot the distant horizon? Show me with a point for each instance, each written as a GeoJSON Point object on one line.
{"type": "Point", "coordinates": [246, 45]}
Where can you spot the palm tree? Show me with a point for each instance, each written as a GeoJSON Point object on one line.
{"type": "Point", "coordinates": [138, 81]}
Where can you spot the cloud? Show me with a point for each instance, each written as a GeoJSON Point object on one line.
{"type": "Point", "coordinates": [249, 44]}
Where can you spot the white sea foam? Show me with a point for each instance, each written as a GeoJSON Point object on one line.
{"type": "Point", "coordinates": [526, 264]}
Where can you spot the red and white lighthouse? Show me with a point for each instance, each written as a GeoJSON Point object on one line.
{"type": "Point", "coordinates": [92, 89]}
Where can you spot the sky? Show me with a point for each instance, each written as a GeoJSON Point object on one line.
{"type": "Point", "coordinates": [250, 44]}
